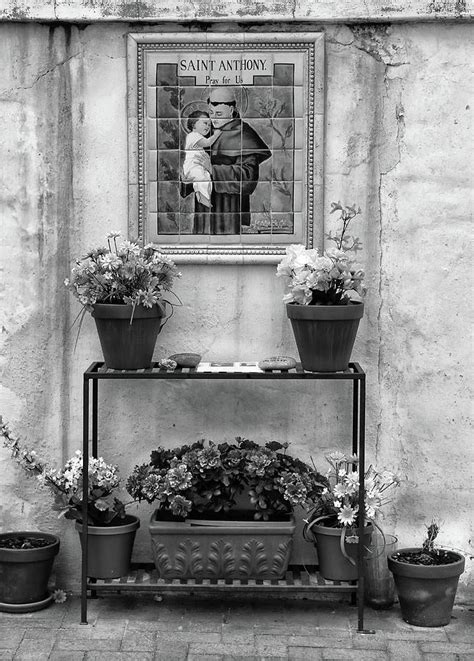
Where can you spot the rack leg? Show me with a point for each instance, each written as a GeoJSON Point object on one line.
{"type": "Point", "coordinates": [95, 417]}
{"type": "Point", "coordinates": [85, 471]}
{"type": "Point", "coordinates": [360, 549]}
{"type": "Point", "coordinates": [355, 418]}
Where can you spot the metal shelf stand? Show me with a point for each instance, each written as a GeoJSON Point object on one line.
{"type": "Point", "coordinates": [298, 579]}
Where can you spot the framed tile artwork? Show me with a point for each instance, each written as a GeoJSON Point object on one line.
{"type": "Point", "coordinates": [226, 143]}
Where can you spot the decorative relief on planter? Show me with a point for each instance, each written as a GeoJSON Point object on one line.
{"type": "Point", "coordinates": [225, 549]}
{"type": "Point", "coordinates": [221, 559]}
{"type": "Point", "coordinates": [226, 143]}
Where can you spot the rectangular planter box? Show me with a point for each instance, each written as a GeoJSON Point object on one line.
{"type": "Point", "coordinates": [219, 549]}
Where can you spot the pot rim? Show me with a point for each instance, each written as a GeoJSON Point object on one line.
{"type": "Point", "coordinates": [30, 555]}
{"type": "Point", "coordinates": [425, 571]}
{"type": "Point", "coordinates": [123, 529]}
{"type": "Point", "coordinates": [354, 310]}
{"type": "Point", "coordinates": [350, 530]}
{"type": "Point", "coordinates": [209, 527]}
{"type": "Point", "coordinates": [125, 310]}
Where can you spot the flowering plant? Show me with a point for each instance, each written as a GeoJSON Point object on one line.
{"type": "Point", "coordinates": [124, 272]}
{"type": "Point", "coordinates": [326, 279]}
{"type": "Point", "coordinates": [206, 477]}
{"type": "Point", "coordinates": [66, 484]}
{"type": "Point", "coordinates": [339, 501]}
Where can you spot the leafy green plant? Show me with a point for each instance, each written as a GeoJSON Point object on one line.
{"type": "Point", "coordinates": [206, 477]}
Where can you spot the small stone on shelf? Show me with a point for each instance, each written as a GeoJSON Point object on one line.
{"type": "Point", "coordinates": [283, 363]}
{"type": "Point", "coordinates": [186, 359]}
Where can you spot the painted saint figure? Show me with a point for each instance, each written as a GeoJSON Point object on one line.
{"type": "Point", "coordinates": [197, 164]}
{"type": "Point", "coordinates": [235, 159]}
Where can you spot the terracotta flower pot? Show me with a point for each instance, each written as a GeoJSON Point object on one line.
{"type": "Point", "coordinates": [24, 573]}
{"type": "Point", "coordinates": [110, 547]}
{"type": "Point", "coordinates": [333, 564]}
{"type": "Point", "coordinates": [426, 592]}
{"type": "Point", "coordinates": [125, 345]}
{"type": "Point", "coordinates": [325, 334]}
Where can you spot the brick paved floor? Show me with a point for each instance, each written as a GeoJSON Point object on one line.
{"type": "Point", "coordinates": [194, 629]}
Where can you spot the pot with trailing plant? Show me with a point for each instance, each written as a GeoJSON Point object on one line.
{"type": "Point", "coordinates": [333, 523]}
{"type": "Point", "coordinates": [124, 286]}
{"type": "Point", "coordinates": [324, 302]}
{"type": "Point", "coordinates": [111, 532]}
{"type": "Point", "coordinates": [224, 510]}
{"type": "Point", "coordinates": [26, 557]}
{"type": "Point", "coordinates": [426, 581]}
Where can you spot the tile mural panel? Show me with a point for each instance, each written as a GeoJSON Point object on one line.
{"type": "Point", "coordinates": [226, 145]}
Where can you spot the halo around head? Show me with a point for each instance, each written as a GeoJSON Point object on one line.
{"type": "Point", "coordinates": [189, 108]}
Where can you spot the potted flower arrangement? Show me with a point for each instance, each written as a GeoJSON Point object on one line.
{"type": "Point", "coordinates": [324, 299]}
{"type": "Point", "coordinates": [124, 286]}
{"type": "Point", "coordinates": [426, 581]}
{"type": "Point", "coordinates": [198, 529]}
{"type": "Point", "coordinates": [111, 532]}
{"type": "Point", "coordinates": [26, 557]}
{"type": "Point", "coordinates": [333, 523]}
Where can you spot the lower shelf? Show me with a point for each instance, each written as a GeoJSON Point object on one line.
{"type": "Point", "coordinates": [146, 579]}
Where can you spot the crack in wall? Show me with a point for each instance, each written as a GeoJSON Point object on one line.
{"type": "Point", "coordinates": [374, 42]}
{"type": "Point", "coordinates": [50, 70]}
{"type": "Point", "coordinates": [7, 94]}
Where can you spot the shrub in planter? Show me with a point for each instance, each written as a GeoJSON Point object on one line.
{"type": "Point", "coordinates": [426, 581]}
{"type": "Point", "coordinates": [197, 529]}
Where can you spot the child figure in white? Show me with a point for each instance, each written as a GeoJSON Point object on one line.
{"type": "Point", "coordinates": [197, 163]}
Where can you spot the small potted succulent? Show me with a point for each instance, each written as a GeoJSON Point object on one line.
{"type": "Point", "coordinates": [224, 510]}
{"type": "Point", "coordinates": [333, 522]}
{"type": "Point", "coordinates": [426, 581]}
{"type": "Point", "coordinates": [324, 300]}
{"type": "Point", "coordinates": [111, 532]}
{"type": "Point", "coordinates": [124, 286]}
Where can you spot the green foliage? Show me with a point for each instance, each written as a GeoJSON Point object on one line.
{"type": "Point", "coordinates": [207, 477]}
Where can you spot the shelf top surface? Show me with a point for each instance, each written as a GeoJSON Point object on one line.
{"type": "Point", "coordinates": [219, 370]}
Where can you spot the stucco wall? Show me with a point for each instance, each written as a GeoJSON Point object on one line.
{"type": "Point", "coordinates": [398, 134]}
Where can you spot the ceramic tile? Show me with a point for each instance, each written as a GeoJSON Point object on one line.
{"type": "Point", "coordinates": [168, 165]}
{"type": "Point", "coordinates": [164, 74]}
{"type": "Point", "coordinates": [167, 102]}
{"type": "Point", "coordinates": [168, 133]}
{"type": "Point", "coordinates": [167, 223]}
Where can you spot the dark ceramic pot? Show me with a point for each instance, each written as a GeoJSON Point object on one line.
{"type": "Point", "coordinates": [25, 573]}
{"type": "Point", "coordinates": [127, 343]}
{"type": "Point", "coordinates": [109, 547]}
{"type": "Point", "coordinates": [325, 334]}
{"type": "Point", "coordinates": [333, 564]}
{"type": "Point", "coordinates": [426, 593]}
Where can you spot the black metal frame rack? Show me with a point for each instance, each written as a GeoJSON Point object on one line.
{"type": "Point", "coordinates": [298, 579]}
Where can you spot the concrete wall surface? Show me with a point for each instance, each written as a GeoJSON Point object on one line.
{"type": "Point", "coordinates": [239, 10]}
{"type": "Point", "coordinates": [398, 144]}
